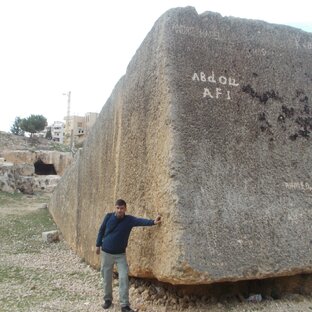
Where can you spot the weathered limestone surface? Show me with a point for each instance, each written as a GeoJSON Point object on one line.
{"type": "Point", "coordinates": [45, 183]}
{"type": "Point", "coordinates": [60, 160]}
{"type": "Point", "coordinates": [211, 127]}
{"type": "Point", "coordinates": [7, 177]}
{"type": "Point", "coordinates": [51, 236]}
{"type": "Point", "coordinates": [21, 177]}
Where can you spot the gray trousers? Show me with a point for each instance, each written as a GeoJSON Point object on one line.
{"type": "Point", "coordinates": [107, 264]}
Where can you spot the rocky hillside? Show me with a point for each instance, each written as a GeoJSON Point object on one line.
{"type": "Point", "coordinates": [31, 165]}
{"type": "Point", "coordinates": [10, 141]}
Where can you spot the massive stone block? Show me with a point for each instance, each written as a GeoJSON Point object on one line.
{"type": "Point", "coordinates": [211, 127]}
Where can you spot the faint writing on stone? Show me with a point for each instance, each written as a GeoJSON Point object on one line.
{"type": "Point", "coordinates": [302, 186]}
{"type": "Point", "coordinates": [195, 31]}
{"type": "Point", "coordinates": [218, 86]}
{"type": "Point", "coordinates": [257, 52]}
{"type": "Point", "coordinates": [303, 44]}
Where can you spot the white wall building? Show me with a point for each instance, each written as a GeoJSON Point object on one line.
{"type": "Point", "coordinates": [57, 131]}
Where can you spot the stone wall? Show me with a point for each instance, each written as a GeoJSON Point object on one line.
{"type": "Point", "coordinates": [21, 177]}
{"type": "Point", "coordinates": [210, 127]}
{"type": "Point", "coordinates": [60, 160]}
{"type": "Point", "coordinates": [17, 170]}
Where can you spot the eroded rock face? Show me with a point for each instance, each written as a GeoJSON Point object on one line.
{"type": "Point", "coordinates": [60, 160]}
{"type": "Point", "coordinates": [45, 183]}
{"type": "Point", "coordinates": [21, 177]}
{"type": "Point", "coordinates": [7, 177]}
{"type": "Point", "coordinates": [211, 127]}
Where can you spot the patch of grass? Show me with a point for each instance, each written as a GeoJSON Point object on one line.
{"type": "Point", "coordinates": [17, 199]}
{"type": "Point", "coordinates": [9, 273]}
{"type": "Point", "coordinates": [32, 294]}
{"type": "Point", "coordinates": [24, 231]}
{"type": "Point", "coordinates": [78, 274]}
{"type": "Point", "coordinates": [27, 281]}
{"type": "Point", "coordinates": [7, 198]}
{"type": "Point", "coordinates": [41, 197]}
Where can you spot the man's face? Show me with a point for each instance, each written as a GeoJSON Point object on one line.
{"type": "Point", "coordinates": [120, 211]}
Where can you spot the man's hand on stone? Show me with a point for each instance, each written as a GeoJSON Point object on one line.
{"type": "Point", "coordinates": [98, 250]}
{"type": "Point", "coordinates": [157, 220]}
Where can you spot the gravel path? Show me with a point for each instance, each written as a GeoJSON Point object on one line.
{"type": "Point", "coordinates": [37, 276]}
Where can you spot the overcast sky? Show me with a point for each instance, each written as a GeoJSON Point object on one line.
{"type": "Point", "coordinates": [84, 46]}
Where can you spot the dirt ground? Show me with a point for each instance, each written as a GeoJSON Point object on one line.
{"type": "Point", "coordinates": [37, 276]}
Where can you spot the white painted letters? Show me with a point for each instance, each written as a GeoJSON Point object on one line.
{"type": "Point", "coordinates": [204, 77]}
{"type": "Point", "coordinates": [211, 78]}
{"type": "Point", "coordinates": [232, 82]}
{"type": "Point", "coordinates": [218, 92]}
{"type": "Point", "coordinates": [222, 80]}
{"type": "Point", "coordinates": [228, 95]}
{"type": "Point", "coordinates": [207, 93]}
{"type": "Point", "coordinates": [215, 92]}
{"type": "Point", "coordinates": [195, 77]}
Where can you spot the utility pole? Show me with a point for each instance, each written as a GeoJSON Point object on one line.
{"type": "Point", "coordinates": [68, 134]}
{"type": "Point", "coordinates": [68, 104]}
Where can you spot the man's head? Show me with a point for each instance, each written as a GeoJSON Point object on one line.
{"type": "Point", "coordinates": [121, 208]}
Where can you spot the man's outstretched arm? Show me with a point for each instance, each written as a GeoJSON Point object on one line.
{"type": "Point", "coordinates": [145, 222]}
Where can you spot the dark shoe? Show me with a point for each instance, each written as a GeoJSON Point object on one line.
{"type": "Point", "coordinates": [106, 304]}
{"type": "Point", "coordinates": [126, 309]}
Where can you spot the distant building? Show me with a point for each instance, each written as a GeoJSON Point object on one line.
{"type": "Point", "coordinates": [78, 127]}
{"type": "Point", "coordinates": [57, 131]}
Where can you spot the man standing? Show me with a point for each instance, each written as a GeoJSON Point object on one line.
{"type": "Point", "coordinates": [113, 237]}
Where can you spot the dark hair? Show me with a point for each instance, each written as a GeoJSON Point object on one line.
{"type": "Point", "coordinates": [120, 202]}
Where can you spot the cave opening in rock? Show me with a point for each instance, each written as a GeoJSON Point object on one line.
{"type": "Point", "coordinates": [44, 169]}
